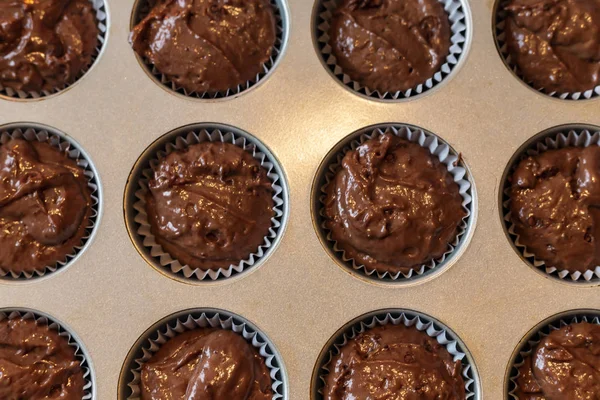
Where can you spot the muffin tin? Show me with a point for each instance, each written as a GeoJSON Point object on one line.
{"type": "Point", "coordinates": [299, 297]}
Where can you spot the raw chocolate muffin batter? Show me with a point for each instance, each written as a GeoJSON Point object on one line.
{"type": "Point", "coordinates": [390, 45]}
{"type": "Point", "coordinates": [555, 207]}
{"type": "Point", "coordinates": [206, 364]}
{"type": "Point", "coordinates": [394, 362]}
{"type": "Point", "coordinates": [45, 205]}
{"type": "Point", "coordinates": [392, 206]}
{"type": "Point", "coordinates": [210, 205]}
{"type": "Point", "coordinates": [36, 363]}
{"type": "Point", "coordinates": [207, 45]}
{"type": "Point", "coordinates": [45, 44]}
{"type": "Point", "coordinates": [555, 43]}
{"type": "Point", "coordinates": [565, 365]}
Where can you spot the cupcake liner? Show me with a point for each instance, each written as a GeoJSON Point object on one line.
{"type": "Point", "coordinates": [552, 139]}
{"type": "Point", "coordinates": [422, 322]}
{"type": "Point", "coordinates": [438, 148]}
{"type": "Point", "coordinates": [500, 35]}
{"type": "Point", "coordinates": [143, 7]}
{"type": "Point", "coordinates": [70, 148]}
{"type": "Point", "coordinates": [460, 31]}
{"type": "Point", "coordinates": [180, 139]}
{"type": "Point", "coordinates": [166, 329]}
{"type": "Point", "coordinates": [73, 341]}
{"type": "Point", "coordinates": [534, 337]}
{"type": "Point", "coordinates": [102, 17]}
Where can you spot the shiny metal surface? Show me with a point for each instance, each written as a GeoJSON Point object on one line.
{"type": "Point", "coordinates": [299, 297]}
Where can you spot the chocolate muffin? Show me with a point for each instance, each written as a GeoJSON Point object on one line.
{"type": "Point", "coordinates": [206, 363]}
{"type": "Point", "coordinates": [555, 207]}
{"type": "Point", "coordinates": [564, 365]}
{"type": "Point", "coordinates": [392, 206]}
{"type": "Point", "coordinates": [207, 45]}
{"type": "Point", "coordinates": [37, 363]}
{"type": "Point", "coordinates": [210, 205]}
{"type": "Point", "coordinates": [394, 362]}
{"type": "Point", "coordinates": [555, 43]}
{"type": "Point", "coordinates": [45, 206]}
{"type": "Point", "coordinates": [390, 45]}
{"type": "Point", "coordinates": [45, 45]}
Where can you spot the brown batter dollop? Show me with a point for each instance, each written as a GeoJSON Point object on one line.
{"type": "Point", "coordinates": [555, 43]}
{"type": "Point", "coordinates": [210, 206]}
{"type": "Point", "coordinates": [393, 206]}
{"type": "Point", "coordinates": [394, 362]}
{"type": "Point", "coordinates": [206, 364]}
{"type": "Point", "coordinates": [207, 45]}
{"type": "Point", "coordinates": [45, 205]}
{"type": "Point", "coordinates": [565, 365]}
{"type": "Point", "coordinates": [36, 363]}
{"type": "Point", "coordinates": [555, 207]}
{"type": "Point", "coordinates": [45, 44]}
{"type": "Point", "coordinates": [390, 45]}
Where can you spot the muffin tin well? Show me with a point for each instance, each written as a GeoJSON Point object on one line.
{"type": "Point", "coordinates": [141, 8]}
{"type": "Point", "coordinates": [439, 149]}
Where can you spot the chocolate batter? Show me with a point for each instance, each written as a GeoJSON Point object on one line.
{"type": "Point", "coordinates": [565, 365]}
{"type": "Point", "coordinates": [394, 362]}
{"type": "Point", "coordinates": [393, 206]}
{"type": "Point", "coordinates": [36, 363]}
{"type": "Point", "coordinates": [45, 44]}
{"type": "Point", "coordinates": [211, 205]}
{"type": "Point", "coordinates": [206, 364]}
{"type": "Point", "coordinates": [390, 45]}
{"type": "Point", "coordinates": [207, 45]}
{"type": "Point", "coordinates": [45, 205]}
{"type": "Point", "coordinates": [555, 207]}
{"type": "Point", "coordinates": [555, 43]}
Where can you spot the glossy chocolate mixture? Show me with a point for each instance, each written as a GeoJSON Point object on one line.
{"type": "Point", "coordinates": [45, 205]}
{"type": "Point", "coordinates": [390, 45]}
{"type": "Point", "coordinates": [555, 43]}
{"type": "Point", "coordinates": [206, 364]}
{"type": "Point", "coordinates": [555, 207]}
{"type": "Point", "coordinates": [565, 365]}
{"type": "Point", "coordinates": [211, 205]}
{"type": "Point", "coordinates": [394, 362]}
{"type": "Point", "coordinates": [36, 363]}
{"type": "Point", "coordinates": [393, 206]}
{"type": "Point", "coordinates": [45, 44]}
{"type": "Point", "coordinates": [207, 45]}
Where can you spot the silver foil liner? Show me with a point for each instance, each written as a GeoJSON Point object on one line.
{"type": "Point", "coordinates": [143, 7]}
{"type": "Point", "coordinates": [438, 148]}
{"type": "Point", "coordinates": [422, 322]}
{"type": "Point", "coordinates": [460, 32]}
{"type": "Point", "coordinates": [552, 139]}
{"type": "Point", "coordinates": [534, 337]}
{"type": "Point", "coordinates": [52, 324]}
{"type": "Point", "coordinates": [102, 17]}
{"type": "Point", "coordinates": [500, 22]}
{"type": "Point", "coordinates": [159, 334]}
{"type": "Point", "coordinates": [194, 135]}
{"type": "Point", "coordinates": [66, 145]}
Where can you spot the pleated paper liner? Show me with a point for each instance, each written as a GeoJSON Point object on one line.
{"type": "Point", "coordinates": [42, 319]}
{"type": "Point", "coordinates": [458, 15]}
{"type": "Point", "coordinates": [169, 327]}
{"type": "Point", "coordinates": [102, 18]}
{"type": "Point", "coordinates": [500, 16]}
{"type": "Point", "coordinates": [135, 199]}
{"type": "Point", "coordinates": [143, 7]}
{"type": "Point", "coordinates": [422, 322]}
{"type": "Point", "coordinates": [573, 135]}
{"type": "Point", "coordinates": [528, 344]}
{"type": "Point", "coordinates": [439, 149]}
{"type": "Point", "coordinates": [65, 144]}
